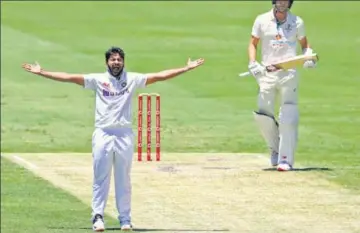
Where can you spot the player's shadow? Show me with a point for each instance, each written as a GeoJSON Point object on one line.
{"type": "Point", "coordinates": [174, 230]}
{"type": "Point", "coordinates": [305, 169]}
{"type": "Point", "coordinates": [161, 230]}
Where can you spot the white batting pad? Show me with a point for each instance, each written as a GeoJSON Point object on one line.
{"type": "Point", "coordinates": [269, 130]}
{"type": "Point", "coordinates": [288, 130]}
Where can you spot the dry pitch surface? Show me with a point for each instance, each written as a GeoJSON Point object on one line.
{"type": "Point", "coordinates": [212, 193]}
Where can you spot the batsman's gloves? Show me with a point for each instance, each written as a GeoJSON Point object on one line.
{"type": "Point", "coordinates": [256, 69]}
{"type": "Point", "coordinates": [310, 63]}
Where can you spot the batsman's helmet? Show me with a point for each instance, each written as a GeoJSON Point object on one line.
{"type": "Point", "coordinates": [290, 2]}
{"type": "Point", "coordinates": [113, 50]}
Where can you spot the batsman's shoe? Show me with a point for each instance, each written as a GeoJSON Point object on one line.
{"type": "Point", "coordinates": [274, 157]}
{"type": "Point", "coordinates": [283, 167]}
{"type": "Point", "coordinates": [98, 223]}
{"type": "Point", "coordinates": [126, 227]}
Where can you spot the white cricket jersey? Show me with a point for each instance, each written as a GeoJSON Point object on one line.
{"type": "Point", "coordinates": [278, 42]}
{"type": "Point", "coordinates": [113, 97]}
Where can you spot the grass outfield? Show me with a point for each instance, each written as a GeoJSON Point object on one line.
{"type": "Point", "coordinates": [206, 110]}
{"type": "Point", "coordinates": [30, 204]}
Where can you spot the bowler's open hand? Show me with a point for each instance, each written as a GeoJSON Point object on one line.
{"type": "Point", "coordinates": [193, 64]}
{"type": "Point", "coordinates": [33, 68]}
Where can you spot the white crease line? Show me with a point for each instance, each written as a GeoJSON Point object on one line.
{"type": "Point", "coordinates": [27, 163]}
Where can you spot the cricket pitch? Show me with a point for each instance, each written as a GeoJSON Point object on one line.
{"type": "Point", "coordinates": [211, 193]}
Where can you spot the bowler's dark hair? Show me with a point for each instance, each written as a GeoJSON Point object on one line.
{"type": "Point", "coordinates": [114, 50]}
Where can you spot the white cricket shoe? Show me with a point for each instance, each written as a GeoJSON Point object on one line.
{"type": "Point", "coordinates": [284, 166]}
{"type": "Point", "coordinates": [274, 157]}
{"type": "Point", "coordinates": [126, 227]}
{"type": "Point", "coordinates": [98, 223]}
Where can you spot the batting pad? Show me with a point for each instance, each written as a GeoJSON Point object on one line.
{"type": "Point", "coordinates": [269, 130]}
{"type": "Point", "coordinates": [288, 130]}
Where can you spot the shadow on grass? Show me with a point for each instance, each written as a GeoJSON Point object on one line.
{"type": "Point", "coordinates": [305, 169]}
{"type": "Point", "coordinates": [171, 230]}
{"type": "Point", "coordinates": [145, 229]}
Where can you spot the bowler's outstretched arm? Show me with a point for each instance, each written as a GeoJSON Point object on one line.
{"type": "Point", "coordinates": [57, 76]}
{"type": "Point", "coordinates": [171, 73]}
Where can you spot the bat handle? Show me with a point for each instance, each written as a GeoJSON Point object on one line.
{"type": "Point", "coordinates": [244, 74]}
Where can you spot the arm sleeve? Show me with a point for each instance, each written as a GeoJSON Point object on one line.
{"type": "Point", "coordinates": [90, 81]}
{"type": "Point", "coordinates": [300, 29]}
{"type": "Point", "coordinates": [140, 80]}
{"type": "Point", "coordinates": [256, 29]}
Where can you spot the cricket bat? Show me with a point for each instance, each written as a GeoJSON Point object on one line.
{"type": "Point", "coordinates": [290, 62]}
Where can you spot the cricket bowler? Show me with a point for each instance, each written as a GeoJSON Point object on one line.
{"type": "Point", "coordinates": [113, 138]}
{"type": "Point", "coordinates": [278, 30]}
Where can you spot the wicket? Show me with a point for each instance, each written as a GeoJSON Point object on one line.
{"type": "Point", "coordinates": [148, 125]}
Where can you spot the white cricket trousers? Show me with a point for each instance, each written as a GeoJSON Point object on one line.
{"type": "Point", "coordinates": [284, 83]}
{"type": "Point", "coordinates": [112, 148]}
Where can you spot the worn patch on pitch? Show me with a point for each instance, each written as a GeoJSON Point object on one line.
{"type": "Point", "coordinates": [213, 192]}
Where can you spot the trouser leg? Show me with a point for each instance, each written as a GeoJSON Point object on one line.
{"type": "Point", "coordinates": [122, 169]}
{"type": "Point", "coordinates": [288, 118]}
{"type": "Point", "coordinates": [102, 164]}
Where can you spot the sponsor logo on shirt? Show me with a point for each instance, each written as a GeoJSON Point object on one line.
{"type": "Point", "coordinates": [280, 42]}
{"type": "Point", "coordinates": [115, 93]}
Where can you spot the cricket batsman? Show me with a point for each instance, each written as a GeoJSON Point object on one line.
{"type": "Point", "coordinates": [279, 31]}
{"type": "Point", "coordinates": [113, 138]}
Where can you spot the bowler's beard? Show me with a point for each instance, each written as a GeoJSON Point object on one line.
{"type": "Point", "coordinates": [116, 71]}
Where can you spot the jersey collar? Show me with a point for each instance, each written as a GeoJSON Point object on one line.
{"type": "Point", "coordinates": [118, 79]}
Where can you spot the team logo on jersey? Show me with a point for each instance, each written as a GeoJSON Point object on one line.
{"type": "Point", "coordinates": [288, 28]}
{"type": "Point", "coordinates": [123, 84]}
{"type": "Point", "coordinates": [278, 37]}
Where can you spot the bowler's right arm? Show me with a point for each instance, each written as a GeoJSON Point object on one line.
{"type": "Point", "coordinates": [64, 77]}
{"type": "Point", "coordinates": [57, 76]}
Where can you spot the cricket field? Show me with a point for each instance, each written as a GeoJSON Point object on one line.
{"type": "Point", "coordinates": [214, 174]}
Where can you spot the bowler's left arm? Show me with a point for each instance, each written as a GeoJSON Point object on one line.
{"type": "Point", "coordinates": [171, 73]}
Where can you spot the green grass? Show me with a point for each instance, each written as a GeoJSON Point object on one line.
{"type": "Point", "coordinates": [206, 110]}
{"type": "Point", "coordinates": [30, 204]}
